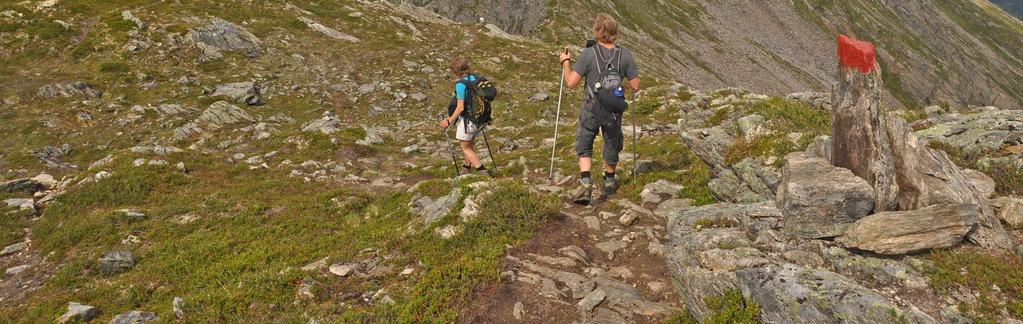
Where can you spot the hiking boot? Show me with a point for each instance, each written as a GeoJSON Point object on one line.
{"type": "Point", "coordinates": [583, 195]}
{"type": "Point", "coordinates": [483, 172]}
{"type": "Point", "coordinates": [610, 187]}
{"type": "Point", "coordinates": [466, 169]}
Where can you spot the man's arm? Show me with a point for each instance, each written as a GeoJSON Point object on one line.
{"type": "Point", "coordinates": [634, 83]}
{"type": "Point", "coordinates": [571, 77]}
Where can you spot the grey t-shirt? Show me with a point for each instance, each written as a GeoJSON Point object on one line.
{"type": "Point", "coordinates": [589, 65]}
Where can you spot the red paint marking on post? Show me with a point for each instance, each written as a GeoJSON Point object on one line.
{"type": "Point", "coordinates": [857, 54]}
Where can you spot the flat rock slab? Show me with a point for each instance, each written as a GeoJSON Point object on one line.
{"type": "Point", "coordinates": [820, 200]}
{"type": "Point", "coordinates": [78, 313]}
{"type": "Point", "coordinates": [115, 262]}
{"type": "Point", "coordinates": [791, 294]}
{"type": "Point", "coordinates": [134, 317]}
{"type": "Point", "coordinates": [911, 231]}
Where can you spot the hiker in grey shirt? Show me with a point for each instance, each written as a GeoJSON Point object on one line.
{"type": "Point", "coordinates": [594, 63]}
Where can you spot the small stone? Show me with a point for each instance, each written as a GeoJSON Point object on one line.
{"type": "Point", "coordinates": [408, 271]}
{"type": "Point", "coordinates": [449, 231]}
{"type": "Point", "coordinates": [78, 313]}
{"type": "Point", "coordinates": [134, 317]}
{"type": "Point", "coordinates": [610, 247]}
{"type": "Point", "coordinates": [540, 96]}
{"type": "Point", "coordinates": [13, 248]}
{"type": "Point", "coordinates": [656, 286]}
{"type": "Point", "coordinates": [517, 311]}
{"type": "Point", "coordinates": [132, 215]}
{"type": "Point", "coordinates": [342, 269]}
{"type": "Point", "coordinates": [549, 289]}
{"type": "Point", "coordinates": [306, 290]}
{"type": "Point", "coordinates": [316, 265]}
{"type": "Point", "coordinates": [575, 253]}
{"type": "Point", "coordinates": [16, 270]}
{"type": "Point", "coordinates": [115, 262]}
{"type": "Point", "coordinates": [628, 218]}
{"type": "Point", "coordinates": [620, 272]}
{"type": "Point", "coordinates": [592, 222]}
{"type": "Point", "coordinates": [594, 298]}
{"type": "Point", "coordinates": [179, 307]}
{"type": "Point", "coordinates": [656, 249]}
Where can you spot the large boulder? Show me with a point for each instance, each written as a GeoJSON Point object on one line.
{"type": "Point", "coordinates": [929, 177]}
{"type": "Point", "coordinates": [789, 293]}
{"type": "Point", "coordinates": [820, 200]}
{"type": "Point", "coordinates": [900, 232]}
{"type": "Point", "coordinates": [709, 144]}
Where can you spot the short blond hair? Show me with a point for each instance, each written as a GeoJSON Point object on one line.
{"type": "Point", "coordinates": [605, 28]}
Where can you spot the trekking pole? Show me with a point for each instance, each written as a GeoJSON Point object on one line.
{"type": "Point", "coordinates": [451, 150]}
{"type": "Point", "coordinates": [635, 136]}
{"type": "Point", "coordinates": [489, 151]}
{"type": "Point", "coordinates": [557, 120]}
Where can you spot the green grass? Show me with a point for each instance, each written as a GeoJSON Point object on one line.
{"type": "Point", "coordinates": [732, 307]}
{"type": "Point", "coordinates": [783, 118]}
{"type": "Point", "coordinates": [240, 259]}
{"type": "Point", "coordinates": [980, 273]}
{"type": "Point", "coordinates": [1008, 178]}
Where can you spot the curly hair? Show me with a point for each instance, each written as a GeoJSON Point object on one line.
{"type": "Point", "coordinates": [605, 28]}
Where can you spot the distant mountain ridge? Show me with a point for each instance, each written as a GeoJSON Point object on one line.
{"type": "Point", "coordinates": [961, 52]}
{"type": "Point", "coordinates": [1013, 7]}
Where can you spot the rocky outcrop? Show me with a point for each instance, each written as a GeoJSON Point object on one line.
{"type": "Point", "coordinates": [221, 35]}
{"type": "Point", "coordinates": [329, 32]}
{"type": "Point", "coordinates": [987, 130]}
{"type": "Point", "coordinates": [69, 90]}
{"type": "Point", "coordinates": [820, 200]}
{"type": "Point", "coordinates": [247, 93]}
{"type": "Point", "coordinates": [901, 232]}
{"type": "Point", "coordinates": [706, 244]}
{"type": "Point", "coordinates": [517, 16]}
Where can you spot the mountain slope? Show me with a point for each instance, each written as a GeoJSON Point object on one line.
{"type": "Point", "coordinates": [954, 51]}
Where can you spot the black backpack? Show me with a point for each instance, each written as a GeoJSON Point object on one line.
{"type": "Point", "coordinates": [610, 80]}
{"type": "Point", "coordinates": [479, 95]}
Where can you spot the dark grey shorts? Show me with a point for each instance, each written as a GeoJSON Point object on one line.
{"type": "Point", "coordinates": [590, 125]}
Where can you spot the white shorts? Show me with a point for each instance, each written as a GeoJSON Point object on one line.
{"type": "Point", "coordinates": [466, 131]}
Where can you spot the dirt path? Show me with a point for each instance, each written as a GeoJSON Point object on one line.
{"type": "Point", "coordinates": [543, 281]}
